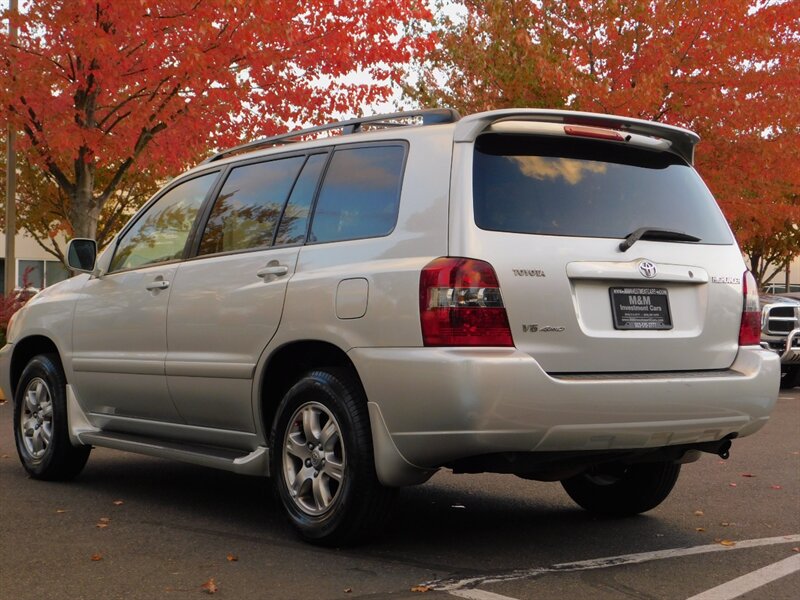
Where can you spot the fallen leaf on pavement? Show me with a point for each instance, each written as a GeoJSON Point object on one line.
{"type": "Point", "coordinates": [747, 475]}
{"type": "Point", "coordinates": [421, 588]}
{"type": "Point", "coordinates": [776, 487]}
{"type": "Point", "coordinates": [727, 543]}
{"type": "Point", "coordinates": [725, 524]}
{"type": "Point", "coordinates": [118, 502]}
{"type": "Point", "coordinates": [4, 456]}
{"type": "Point", "coordinates": [699, 528]}
{"type": "Point", "coordinates": [60, 511]}
{"type": "Point", "coordinates": [732, 484]}
{"type": "Point", "coordinates": [210, 586]}
{"type": "Point", "coordinates": [699, 513]}
{"type": "Point", "coordinates": [348, 590]}
{"type": "Point", "coordinates": [796, 549]}
{"type": "Point", "coordinates": [232, 557]}
{"type": "Point", "coordinates": [101, 525]}
{"type": "Point", "coordinates": [96, 557]}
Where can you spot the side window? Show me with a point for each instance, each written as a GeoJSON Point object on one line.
{"type": "Point", "coordinates": [160, 234]}
{"type": "Point", "coordinates": [360, 194]}
{"type": "Point", "coordinates": [248, 207]}
{"type": "Point", "coordinates": [294, 221]}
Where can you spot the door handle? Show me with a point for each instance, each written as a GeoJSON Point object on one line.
{"type": "Point", "coordinates": [276, 270]}
{"type": "Point", "coordinates": [157, 285]}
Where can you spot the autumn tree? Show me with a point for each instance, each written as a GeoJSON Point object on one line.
{"type": "Point", "coordinates": [43, 207]}
{"type": "Point", "coordinates": [112, 96]}
{"type": "Point", "coordinates": [728, 70]}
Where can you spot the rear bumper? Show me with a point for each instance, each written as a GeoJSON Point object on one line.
{"type": "Point", "coordinates": [432, 406]}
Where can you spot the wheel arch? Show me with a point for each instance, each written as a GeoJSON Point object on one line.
{"type": "Point", "coordinates": [287, 364]}
{"type": "Point", "coordinates": [24, 350]}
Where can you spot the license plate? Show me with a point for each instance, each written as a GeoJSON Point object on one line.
{"type": "Point", "coordinates": [640, 308]}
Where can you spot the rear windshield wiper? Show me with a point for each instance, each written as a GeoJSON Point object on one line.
{"type": "Point", "coordinates": [653, 233]}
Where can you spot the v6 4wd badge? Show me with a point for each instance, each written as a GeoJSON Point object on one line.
{"type": "Point", "coordinates": [534, 328]}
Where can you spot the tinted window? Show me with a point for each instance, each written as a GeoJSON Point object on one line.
{"type": "Point", "coordinates": [247, 209]}
{"type": "Point", "coordinates": [294, 221]}
{"type": "Point", "coordinates": [360, 194]}
{"type": "Point", "coordinates": [556, 186]}
{"type": "Point", "coordinates": [160, 234]}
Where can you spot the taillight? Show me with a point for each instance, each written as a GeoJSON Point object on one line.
{"type": "Point", "coordinates": [750, 328]}
{"type": "Point", "coordinates": [460, 304]}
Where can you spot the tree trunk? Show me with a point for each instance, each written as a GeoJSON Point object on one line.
{"type": "Point", "coordinates": [84, 212]}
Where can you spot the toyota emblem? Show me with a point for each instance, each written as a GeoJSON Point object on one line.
{"type": "Point", "coordinates": [647, 269]}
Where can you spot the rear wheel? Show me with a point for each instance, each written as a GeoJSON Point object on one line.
{"type": "Point", "coordinates": [40, 422]}
{"type": "Point", "coordinates": [322, 461]}
{"type": "Point", "coordinates": [623, 490]}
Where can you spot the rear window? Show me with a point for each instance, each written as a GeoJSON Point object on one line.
{"type": "Point", "coordinates": [586, 188]}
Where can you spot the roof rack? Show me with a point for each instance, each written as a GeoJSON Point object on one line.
{"type": "Point", "coordinates": [431, 116]}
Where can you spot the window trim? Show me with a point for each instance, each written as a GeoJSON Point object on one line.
{"type": "Point", "coordinates": [149, 204]}
{"type": "Point", "coordinates": [355, 146]}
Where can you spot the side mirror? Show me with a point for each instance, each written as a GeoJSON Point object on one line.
{"type": "Point", "coordinates": [81, 255]}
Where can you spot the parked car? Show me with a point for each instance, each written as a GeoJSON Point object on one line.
{"type": "Point", "coordinates": [780, 332]}
{"type": "Point", "coordinates": [545, 293]}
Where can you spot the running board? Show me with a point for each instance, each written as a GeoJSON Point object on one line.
{"type": "Point", "coordinates": [254, 463]}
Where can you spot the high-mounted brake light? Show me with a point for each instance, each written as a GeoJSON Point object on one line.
{"type": "Point", "coordinates": [598, 133]}
{"type": "Point", "coordinates": [750, 328]}
{"type": "Point", "coordinates": [460, 304]}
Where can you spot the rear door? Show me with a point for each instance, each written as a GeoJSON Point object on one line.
{"type": "Point", "coordinates": [549, 213]}
{"type": "Point", "coordinates": [227, 301]}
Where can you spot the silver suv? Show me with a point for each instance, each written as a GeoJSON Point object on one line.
{"type": "Point", "coordinates": [545, 293]}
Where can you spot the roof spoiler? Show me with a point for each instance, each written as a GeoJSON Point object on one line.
{"type": "Point", "coordinates": [681, 141]}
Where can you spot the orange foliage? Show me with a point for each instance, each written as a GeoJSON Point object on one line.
{"type": "Point", "coordinates": [149, 85]}
{"type": "Point", "coordinates": [728, 69]}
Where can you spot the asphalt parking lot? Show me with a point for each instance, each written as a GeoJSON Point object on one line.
{"type": "Point", "coordinates": [137, 527]}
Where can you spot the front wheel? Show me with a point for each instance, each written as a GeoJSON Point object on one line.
{"type": "Point", "coordinates": [322, 461]}
{"type": "Point", "coordinates": [623, 490]}
{"type": "Point", "coordinates": [40, 422]}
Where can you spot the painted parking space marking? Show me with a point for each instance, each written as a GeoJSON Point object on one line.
{"type": "Point", "coordinates": [466, 588]}
{"type": "Point", "coordinates": [747, 583]}
{"type": "Point", "coordinates": [476, 594]}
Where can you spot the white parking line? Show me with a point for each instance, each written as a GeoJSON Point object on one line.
{"type": "Point", "coordinates": [477, 594]}
{"type": "Point", "coordinates": [466, 588]}
{"type": "Point", "coordinates": [747, 583]}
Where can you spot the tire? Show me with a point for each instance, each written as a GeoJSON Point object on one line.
{"type": "Point", "coordinates": [623, 491]}
{"type": "Point", "coordinates": [322, 461]}
{"type": "Point", "coordinates": [790, 378]}
{"type": "Point", "coordinates": [40, 423]}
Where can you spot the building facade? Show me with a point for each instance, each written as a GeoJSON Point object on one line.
{"type": "Point", "coordinates": [33, 267]}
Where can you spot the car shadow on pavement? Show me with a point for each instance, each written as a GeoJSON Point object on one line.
{"type": "Point", "coordinates": [436, 523]}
